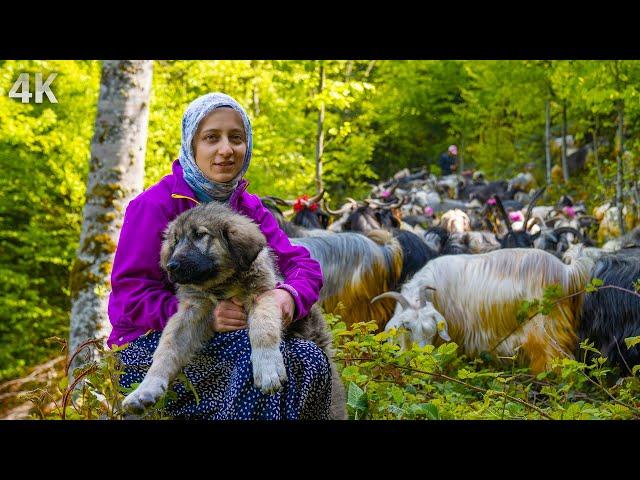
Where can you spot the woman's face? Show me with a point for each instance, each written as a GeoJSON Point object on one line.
{"type": "Point", "coordinates": [220, 144]}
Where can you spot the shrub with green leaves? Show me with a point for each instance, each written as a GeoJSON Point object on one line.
{"type": "Point", "coordinates": [440, 382]}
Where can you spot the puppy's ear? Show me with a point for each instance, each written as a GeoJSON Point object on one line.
{"type": "Point", "coordinates": [245, 241]}
{"type": "Point", "coordinates": [166, 249]}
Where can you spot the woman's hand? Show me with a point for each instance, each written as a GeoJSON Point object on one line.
{"type": "Point", "coordinates": [285, 302]}
{"type": "Point", "coordinates": [229, 315]}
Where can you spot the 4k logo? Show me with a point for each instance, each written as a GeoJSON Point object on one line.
{"type": "Point", "coordinates": [21, 90]}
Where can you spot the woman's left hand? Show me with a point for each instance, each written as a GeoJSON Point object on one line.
{"type": "Point", "coordinates": [284, 301]}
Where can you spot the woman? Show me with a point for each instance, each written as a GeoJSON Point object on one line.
{"type": "Point", "coordinates": [214, 156]}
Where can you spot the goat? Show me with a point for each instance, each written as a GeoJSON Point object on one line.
{"type": "Point", "coordinates": [631, 239]}
{"type": "Point", "coordinates": [291, 229]}
{"type": "Point", "coordinates": [455, 221]}
{"type": "Point", "coordinates": [373, 216]}
{"type": "Point", "coordinates": [522, 238]}
{"type": "Point", "coordinates": [356, 268]}
{"type": "Point", "coordinates": [307, 214]}
{"type": "Point", "coordinates": [444, 242]}
{"type": "Point", "coordinates": [609, 315]}
{"type": "Point", "coordinates": [480, 296]}
{"type": "Point", "coordinates": [609, 227]}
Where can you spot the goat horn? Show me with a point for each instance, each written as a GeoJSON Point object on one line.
{"type": "Point", "coordinates": [397, 297]}
{"type": "Point", "coordinates": [398, 204]}
{"type": "Point", "coordinates": [316, 197]}
{"type": "Point", "coordinates": [561, 230]}
{"type": "Point", "coordinates": [533, 201]}
{"type": "Point", "coordinates": [340, 211]}
{"type": "Point", "coordinates": [280, 201]}
{"type": "Point", "coordinates": [503, 213]}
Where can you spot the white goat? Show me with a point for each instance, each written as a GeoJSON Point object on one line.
{"type": "Point", "coordinates": [480, 295]}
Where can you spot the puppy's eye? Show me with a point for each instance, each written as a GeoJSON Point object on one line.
{"type": "Point", "coordinates": [197, 234]}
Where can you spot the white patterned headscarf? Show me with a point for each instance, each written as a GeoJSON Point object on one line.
{"type": "Point", "coordinates": [205, 189]}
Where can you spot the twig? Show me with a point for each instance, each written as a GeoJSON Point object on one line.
{"type": "Point", "coordinates": [473, 387]}
{"type": "Point", "coordinates": [32, 376]}
{"type": "Point", "coordinates": [71, 387]}
{"type": "Point", "coordinates": [78, 350]}
{"type": "Point", "coordinates": [533, 316]}
{"type": "Point", "coordinates": [622, 356]}
{"type": "Point", "coordinates": [555, 303]}
{"type": "Point", "coordinates": [614, 399]}
{"type": "Point", "coordinates": [620, 288]}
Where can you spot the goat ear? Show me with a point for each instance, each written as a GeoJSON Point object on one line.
{"type": "Point", "coordinates": [442, 327]}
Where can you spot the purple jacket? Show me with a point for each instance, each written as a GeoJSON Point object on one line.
{"type": "Point", "coordinates": [143, 299]}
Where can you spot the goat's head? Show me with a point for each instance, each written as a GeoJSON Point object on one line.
{"type": "Point", "coordinates": [522, 238]}
{"type": "Point", "coordinates": [421, 322]}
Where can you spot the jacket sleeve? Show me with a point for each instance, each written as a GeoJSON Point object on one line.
{"type": "Point", "coordinates": [302, 274]}
{"type": "Point", "coordinates": [141, 297]}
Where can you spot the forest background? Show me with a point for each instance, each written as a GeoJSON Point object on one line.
{"type": "Point", "coordinates": [379, 117]}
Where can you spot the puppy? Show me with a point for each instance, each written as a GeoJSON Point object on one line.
{"type": "Point", "coordinates": [213, 254]}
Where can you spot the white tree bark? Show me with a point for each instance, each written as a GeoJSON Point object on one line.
{"type": "Point", "coordinates": [547, 140]}
{"type": "Point", "coordinates": [320, 134]}
{"type": "Point", "coordinates": [116, 173]}
{"type": "Point", "coordinates": [565, 167]}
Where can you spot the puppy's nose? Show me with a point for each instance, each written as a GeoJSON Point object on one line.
{"type": "Point", "coordinates": [172, 265]}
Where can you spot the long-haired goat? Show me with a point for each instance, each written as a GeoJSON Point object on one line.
{"type": "Point", "coordinates": [610, 315]}
{"type": "Point", "coordinates": [356, 268]}
{"type": "Point", "coordinates": [480, 296]}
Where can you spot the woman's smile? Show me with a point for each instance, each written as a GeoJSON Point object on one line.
{"type": "Point", "coordinates": [220, 145]}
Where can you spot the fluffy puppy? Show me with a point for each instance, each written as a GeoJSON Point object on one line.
{"type": "Point", "coordinates": [213, 254]}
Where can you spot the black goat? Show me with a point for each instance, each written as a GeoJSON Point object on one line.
{"type": "Point", "coordinates": [371, 217]}
{"type": "Point", "coordinates": [522, 238]}
{"type": "Point", "coordinates": [444, 243]}
{"type": "Point", "coordinates": [608, 315]}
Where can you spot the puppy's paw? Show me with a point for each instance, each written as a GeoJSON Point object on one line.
{"type": "Point", "coordinates": [147, 394]}
{"type": "Point", "coordinates": [269, 372]}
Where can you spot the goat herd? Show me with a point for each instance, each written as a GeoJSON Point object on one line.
{"type": "Point", "coordinates": [454, 258]}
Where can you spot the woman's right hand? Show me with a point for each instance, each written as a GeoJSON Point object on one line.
{"type": "Point", "coordinates": [229, 315]}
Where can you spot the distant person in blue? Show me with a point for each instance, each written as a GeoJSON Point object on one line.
{"type": "Point", "coordinates": [449, 161]}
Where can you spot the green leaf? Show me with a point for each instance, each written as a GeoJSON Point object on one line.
{"type": "Point", "coordinates": [356, 397]}
{"type": "Point", "coordinates": [632, 341]}
{"type": "Point", "coordinates": [429, 410]}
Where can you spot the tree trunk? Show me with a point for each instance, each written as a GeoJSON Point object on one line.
{"type": "Point", "coordinates": [320, 135]}
{"type": "Point", "coordinates": [620, 172]}
{"type": "Point", "coordinates": [369, 68]}
{"type": "Point", "coordinates": [565, 167]}
{"type": "Point", "coordinates": [256, 95]}
{"type": "Point", "coordinates": [595, 153]}
{"type": "Point", "coordinates": [462, 151]}
{"type": "Point", "coordinates": [349, 69]}
{"type": "Point", "coordinates": [547, 140]}
{"type": "Point", "coordinates": [116, 172]}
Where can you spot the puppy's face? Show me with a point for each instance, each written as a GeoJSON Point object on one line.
{"type": "Point", "coordinates": [208, 245]}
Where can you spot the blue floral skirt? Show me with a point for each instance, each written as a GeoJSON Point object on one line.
{"type": "Point", "coordinates": [222, 376]}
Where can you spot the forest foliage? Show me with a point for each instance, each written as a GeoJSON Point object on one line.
{"type": "Point", "coordinates": [381, 116]}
